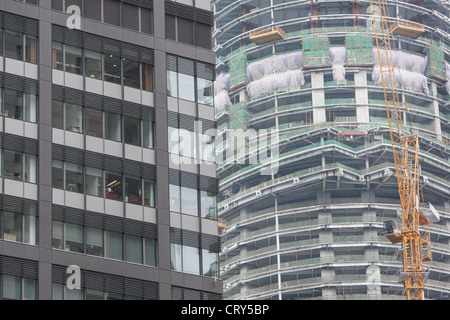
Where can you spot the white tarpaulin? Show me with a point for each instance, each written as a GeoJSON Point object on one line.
{"type": "Point", "coordinates": [222, 83]}
{"type": "Point", "coordinates": [402, 59]}
{"type": "Point", "coordinates": [409, 79]}
{"type": "Point", "coordinates": [338, 58]}
{"type": "Point", "coordinates": [292, 79]}
{"type": "Point", "coordinates": [222, 100]}
{"type": "Point", "coordinates": [274, 64]}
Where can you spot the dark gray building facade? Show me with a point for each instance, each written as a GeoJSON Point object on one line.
{"type": "Point", "coordinates": [98, 186]}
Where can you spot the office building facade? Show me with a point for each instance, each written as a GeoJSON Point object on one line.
{"type": "Point", "coordinates": [97, 187]}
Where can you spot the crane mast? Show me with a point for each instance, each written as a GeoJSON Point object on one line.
{"type": "Point", "coordinates": [415, 228]}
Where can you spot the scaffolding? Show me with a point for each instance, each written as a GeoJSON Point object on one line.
{"type": "Point", "coordinates": [436, 61]}
{"type": "Point", "coordinates": [359, 49]}
{"type": "Point", "coordinates": [316, 51]}
{"type": "Point", "coordinates": [238, 68]}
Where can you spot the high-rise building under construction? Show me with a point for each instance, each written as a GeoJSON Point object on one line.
{"type": "Point", "coordinates": [305, 161]}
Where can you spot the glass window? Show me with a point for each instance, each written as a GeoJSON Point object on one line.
{"type": "Point", "coordinates": [172, 84]}
{"type": "Point", "coordinates": [12, 226]}
{"type": "Point", "coordinates": [12, 287]}
{"type": "Point", "coordinates": [74, 177]}
{"type": "Point", "coordinates": [92, 294]}
{"type": "Point", "coordinates": [13, 165]}
{"type": "Point", "coordinates": [93, 64]}
{"type": "Point", "coordinates": [57, 235]}
{"type": "Point", "coordinates": [57, 114]}
{"type": "Point", "coordinates": [74, 294]}
{"type": "Point", "coordinates": [147, 77]}
{"type": "Point", "coordinates": [93, 9]}
{"type": "Point", "coordinates": [57, 5]}
{"type": "Point", "coordinates": [77, 3]}
{"type": "Point", "coordinates": [150, 252]}
{"type": "Point", "coordinates": [57, 174]}
{"type": "Point", "coordinates": [131, 73]}
{"type": "Point", "coordinates": [113, 186]}
{"type": "Point", "coordinates": [14, 45]}
{"type": "Point", "coordinates": [149, 193]}
{"type": "Point", "coordinates": [186, 82]}
{"type": "Point", "coordinates": [210, 263]}
{"type": "Point", "coordinates": [74, 118]}
{"type": "Point", "coordinates": [187, 143]}
{"type": "Point", "coordinates": [30, 229]}
{"type": "Point", "coordinates": [191, 260]}
{"type": "Point", "coordinates": [203, 35]}
{"type": "Point", "coordinates": [94, 123]}
{"type": "Point", "coordinates": [94, 182]}
{"type": "Point", "coordinates": [171, 32]}
{"type": "Point", "coordinates": [74, 60]}
{"type": "Point", "coordinates": [111, 11]}
{"type": "Point", "coordinates": [205, 87]}
{"type": "Point", "coordinates": [208, 205]}
{"type": "Point", "coordinates": [13, 104]}
{"type": "Point", "coordinates": [57, 56]}
{"type": "Point", "coordinates": [74, 237]}
{"type": "Point", "coordinates": [148, 134]}
{"type": "Point", "coordinates": [114, 245]}
{"type": "Point", "coordinates": [174, 145]}
{"type": "Point", "coordinates": [189, 201]}
{"type": "Point", "coordinates": [133, 190]}
{"type": "Point", "coordinates": [29, 289]}
{"type": "Point", "coordinates": [208, 152]}
{"type": "Point", "coordinates": [132, 132]}
{"type": "Point", "coordinates": [31, 49]}
{"type": "Point", "coordinates": [130, 16]}
{"type": "Point", "coordinates": [30, 107]}
{"type": "Point", "coordinates": [57, 291]}
{"type": "Point", "coordinates": [94, 241]}
{"type": "Point", "coordinates": [113, 126]}
{"type": "Point", "coordinates": [174, 198]}
{"type": "Point", "coordinates": [175, 257]}
{"type": "Point", "coordinates": [185, 30]}
{"type": "Point", "coordinates": [30, 168]}
{"type": "Point", "coordinates": [112, 69]}
{"type": "Point", "coordinates": [134, 248]}
{"type": "Point", "coordinates": [146, 20]}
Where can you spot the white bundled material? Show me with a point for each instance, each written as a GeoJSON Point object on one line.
{"type": "Point", "coordinates": [409, 79]}
{"type": "Point", "coordinates": [222, 83]}
{"type": "Point", "coordinates": [274, 64]}
{"type": "Point", "coordinates": [221, 101]}
{"type": "Point", "coordinates": [339, 73]}
{"type": "Point", "coordinates": [402, 60]}
{"type": "Point", "coordinates": [291, 79]}
{"type": "Point", "coordinates": [447, 70]}
{"type": "Point", "coordinates": [338, 55]}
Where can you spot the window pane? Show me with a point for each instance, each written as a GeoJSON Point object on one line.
{"type": "Point", "coordinates": [92, 294]}
{"type": "Point", "coordinates": [57, 5]}
{"type": "Point", "coordinates": [113, 186]}
{"type": "Point", "coordinates": [74, 2]}
{"type": "Point", "coordinates": [131, 73]}
{"type": "Point", "coordinates": [74, 60]}
{"type": "Point", "coordinates": [94, 182]}
{"type": "Point", "coordinates": [172, 84]}
{"type": "Point", "coordinates": [149, 193]}
{"type": "Point", "coordinates": [132, 132]}
{"type": "Point", "coordinates": [189, 201]}
{"type": "Point", "coordinates": [134, 248]}
{"type": "Point", "coordinates": [111, 10]}
{"type": "Point", "coordinates": [57, 291]}
{"type": "Point", "coordinates": [173, 137]}
{"type": "Point", "coordinates": [94, 241]}
{"type": "Point", "coordinates": [29, 289]}
{"type": "Point", "coordinates": [114, 245]}
{"type": "Point", "coordinates": [57, 174]}
{"type": "Point", "coordinates": [11, 287]}
{"type": "Point", "coordinates": [147, 77]}
{"type": "Point", "coordinates": [57, 235]}
{"type": "Point", "coordinates": [14, 104]}
{"type": "Point", "coordinates": [174, 198]}
{"type": "Point", "coordinates": [30, 107]}
{"type": "Point", "coordinates": [74, 177]}
{"type": "Point", "coordinates": [74, 294]}
{"type": "Point", "coordinates": [74, 118]}
{"type": "Point", "coordinates": [13, 165]}
{"type": "Point", "coordinates": [186, 82]}
{"type": "Point", "coordinates": [112, 69]}
{"type": "Point", "coordinates": [146, 20]}
{"type": "Point", "coordinates": [93, 9]}
{"type": "Point", "coordinates": [113, 126]}
{"type": "Point", "coordinates": [208, 151]}
{"type": "Point", "coordinates": [175, 257]}
{"type": "Point", "coordinates": [130, 16]}
{"type": "Point", "coordinates": [188, 145]}
{"type": "Point", "coordinates": [210, 263]}
{"type": "Point", "coordinates": [94, 123]}
{"type": "Point", "coordinates": [170, 27]}
{"type": "Point", "coordinates": [208, 205]}
{"type": "Point", "coordinates": [191, 260]}
{"type": "Point", "coordinates": [185, 30]}
{"type": "Point", "coordinates": [93, 64]}
{"type": "Point", "coordinates": [148, 134]}
{"type": "Point", "coordinates": [57, 115]}
{"type": "Point", "coordinates": [133, 190]}
{"type": "Point", "coordinates": [205, 92]}
{"type": "Point", "coordinates": [57, 56]}
{"type": "Point", "coordinates": [150, 252]}
{"type": "Point", "coordinates": [30, 229]}
{"type": "Point", "coordinates": [12, 226]}
{"type": "Point", "coordinates": [30, 168]}
{"type": "Point", "coordinates": [74, 237]}
{"type": "Point", "coordinates": [203, 35]}
{"type": "Point", "coordinates": [14, 45]}
{"type": "Point", "coordinates": [31, 49]}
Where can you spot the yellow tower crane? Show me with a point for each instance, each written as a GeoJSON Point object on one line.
{"type": "Point", "coordinates": [415, 228]}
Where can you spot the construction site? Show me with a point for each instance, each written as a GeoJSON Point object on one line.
{"type": "Point", "coordinates": [344, 139]}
